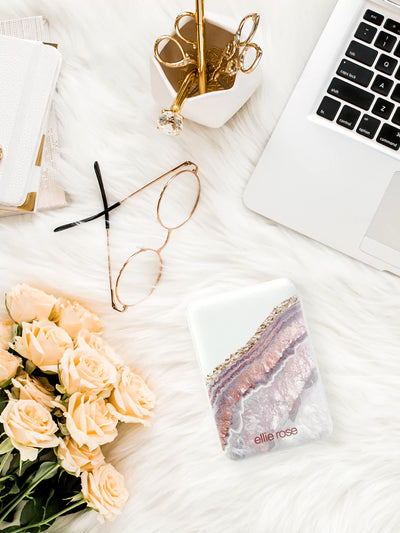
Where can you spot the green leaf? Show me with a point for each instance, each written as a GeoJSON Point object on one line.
{"type": "Point", "coordinates": [6, 446]}
{"type": "Point", "coordinates": [16, 331]}
{"type": "Point", "coordinates": [29, 367]}
{"type": "Point", "coordinates": [46, 470]}
{"type": "Point", "coordinates": [60, 388]}
{"type": "Point", "coordinates": [5, 384]}
{"type": "Point", "coordinates": [32, 512]}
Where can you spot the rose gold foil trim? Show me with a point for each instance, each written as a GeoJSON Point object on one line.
{"type": "Point", "coordinates": [229, 361]}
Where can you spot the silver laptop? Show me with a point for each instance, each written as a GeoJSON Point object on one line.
{"type": "Point", "coordinates": [331, 169]}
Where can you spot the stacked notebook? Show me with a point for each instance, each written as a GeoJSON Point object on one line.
{"type": "Point", "coordinates": [28, 137]}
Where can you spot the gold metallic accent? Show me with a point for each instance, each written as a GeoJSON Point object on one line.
{"type": "Point", "coordinates": [184, 91]}
{"type": "Point", "coordinates": [183, 62]}
{"type": "Point", "coordinates": [229, 361]}
{"type": "Point", "coordinates": [30, 202]}
{"type": "Point", "coordinates": [54, 45]}
{"type": "Point", "coordinates": [201, 46]}
{"type": "Point", "coordinates": [38, 162]}
{"type": "Point", "coordinates": [178, 30]}
{"type": "Point", "coordinates": [233, 57]}
{"type": "Point", "coordinates": [1, 153]}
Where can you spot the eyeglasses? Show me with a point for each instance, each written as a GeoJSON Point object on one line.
{"type": "Point", "coordinates": [173, 211]}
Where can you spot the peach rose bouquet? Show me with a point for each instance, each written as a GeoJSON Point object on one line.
{"type": "Point", "coordinates": [63, 392]}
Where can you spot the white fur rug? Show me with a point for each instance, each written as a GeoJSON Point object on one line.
{"type": "Point", "coordinates": [178, 479]}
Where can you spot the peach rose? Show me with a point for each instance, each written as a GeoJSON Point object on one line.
{"type": "Point", "coordinates": [104, 490]}
{"type": "Point", "coordinates": [5, 334]}
{"type": "Point", "coordinates": [132, 400]}
{"type": "Point", "coordinates": [43, 343]}
{"type": "Point", "coordinates": [77, 459]}
{"type": "Point", "coordinates": [39, 389]}
{"type": "Point", "coordinates": [25, 303]}
{"type": "Point", "coordinates": [91, 340]}
{"type": "Point", "coordinates": [29, 426]}
{"type": "Point", "coordinates": [8, 366]}
{"type": "Point", "coordinates": [73, 317]}
{"type": "Point", "coordinates": [85, 370]}
{"type": "Point", "coordinates": [90, 421]}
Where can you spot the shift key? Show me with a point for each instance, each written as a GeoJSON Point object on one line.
{"type": "Point", "coordinates": [350, 93]}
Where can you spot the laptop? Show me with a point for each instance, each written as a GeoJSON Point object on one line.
{"type": "Point", "coordinates": [331, 169]}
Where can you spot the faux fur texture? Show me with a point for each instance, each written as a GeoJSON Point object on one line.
{"type": "Point", "coordinates": [178, 480]}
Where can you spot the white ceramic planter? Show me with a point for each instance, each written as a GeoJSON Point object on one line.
{"type": "Point", "coordinates": [212, 109]}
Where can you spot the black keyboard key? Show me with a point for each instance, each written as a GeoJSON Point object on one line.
{"type": "Point", "coordinates": [397, 50]}
{"type": "Point", "coordinates": [360, 52]}
{"type": "Point", "coordinates": [350, 93]}
{"type": "Point", "coordinates": [393, 26]}
{"type": "Point", "coordinates": [365, 32]}
{"type": "Point", "coordinates": [396, 117]}
{"type": "Point", "coordinates": [328, 108]}
{"type": "Point", "coordinates": [368, 126]}
{"type": "Point", "coordinates": [396, 93]}
{"type": "Point", "coordinates": [397, 75]}
{"type": "Point", "coordinates": [353, 72]}
{"type": "Point", "coordinates": [374, 17]}
{"type": "Point", "coordinates": [382, 108]}
{"type": "Point", "coordinates": [386, 64]}
{"type": "Point", "coordinates": [389, 136]}
{"type": "Point", "coordinates": [385, 41]}
{"type": "Point", "coordinates": [382, 85]}
{"type": "Point", "coordinates": [348, 117]}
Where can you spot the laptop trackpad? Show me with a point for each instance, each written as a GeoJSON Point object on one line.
{"type": "Point", "coordinates": [382, 239]}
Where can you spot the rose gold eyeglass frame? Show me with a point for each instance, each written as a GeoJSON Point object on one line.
{"type": "Point", "coordinates": [174, 174]}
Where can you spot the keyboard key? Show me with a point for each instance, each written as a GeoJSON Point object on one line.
{"type": "Point", "coordinates": [374, 17]}
{"type": "Point", "coordinates": [328, 108]}
{"type": "Point", "coordinates": [396, 117]}
{"type": "Point", "coordinates": [348, 117]}
{"type": "Point", "coordinates": [353, 72]}
{"type": "Point", "coordinates": [360, 52]}
{"type": "Point", "coordinates": [389, 136]}
{"type": "Point", "coordinates": [382, 85]}
{"type": "Point", "coordinates": [393, 26]}
{"type": "Point", "coordinates": [386, 64]}
{"type": "Point", "coordinates": [397, 50]}
{"type": "Point", "coordinates": [382, 108]}
{"type": "Point", "coordinates": [396, 93]}
{"type": "Point", "coordinates": [350, 93]}
{"type": "Point", "coordinates": [365, 32]}
{"type": "Point", "coordinates": [368, 126]}
{"type": "Point", "coordinates": [385, 41]}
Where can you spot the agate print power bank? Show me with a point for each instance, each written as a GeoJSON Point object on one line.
{"type": "Point", "coordinates": [258, 365]}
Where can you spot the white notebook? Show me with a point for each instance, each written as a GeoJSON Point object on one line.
{"type": "Point", "coordinates": [30, 71]}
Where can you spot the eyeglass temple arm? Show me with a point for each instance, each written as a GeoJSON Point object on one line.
{"type": "Point", "coordinates": [103, 194]}
{"type": "Point", "coordinates": [117, 204]}
{"type": "Point", "coordinates": [107, 225]}
{"type": "Point", "coordinates": [84, 220]}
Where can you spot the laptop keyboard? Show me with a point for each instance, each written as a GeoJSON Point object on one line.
{"type": "Point", "coordinates": [364, 95]}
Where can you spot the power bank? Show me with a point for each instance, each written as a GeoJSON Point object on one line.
{"type": "Point", "coordinates": [259, 368]}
